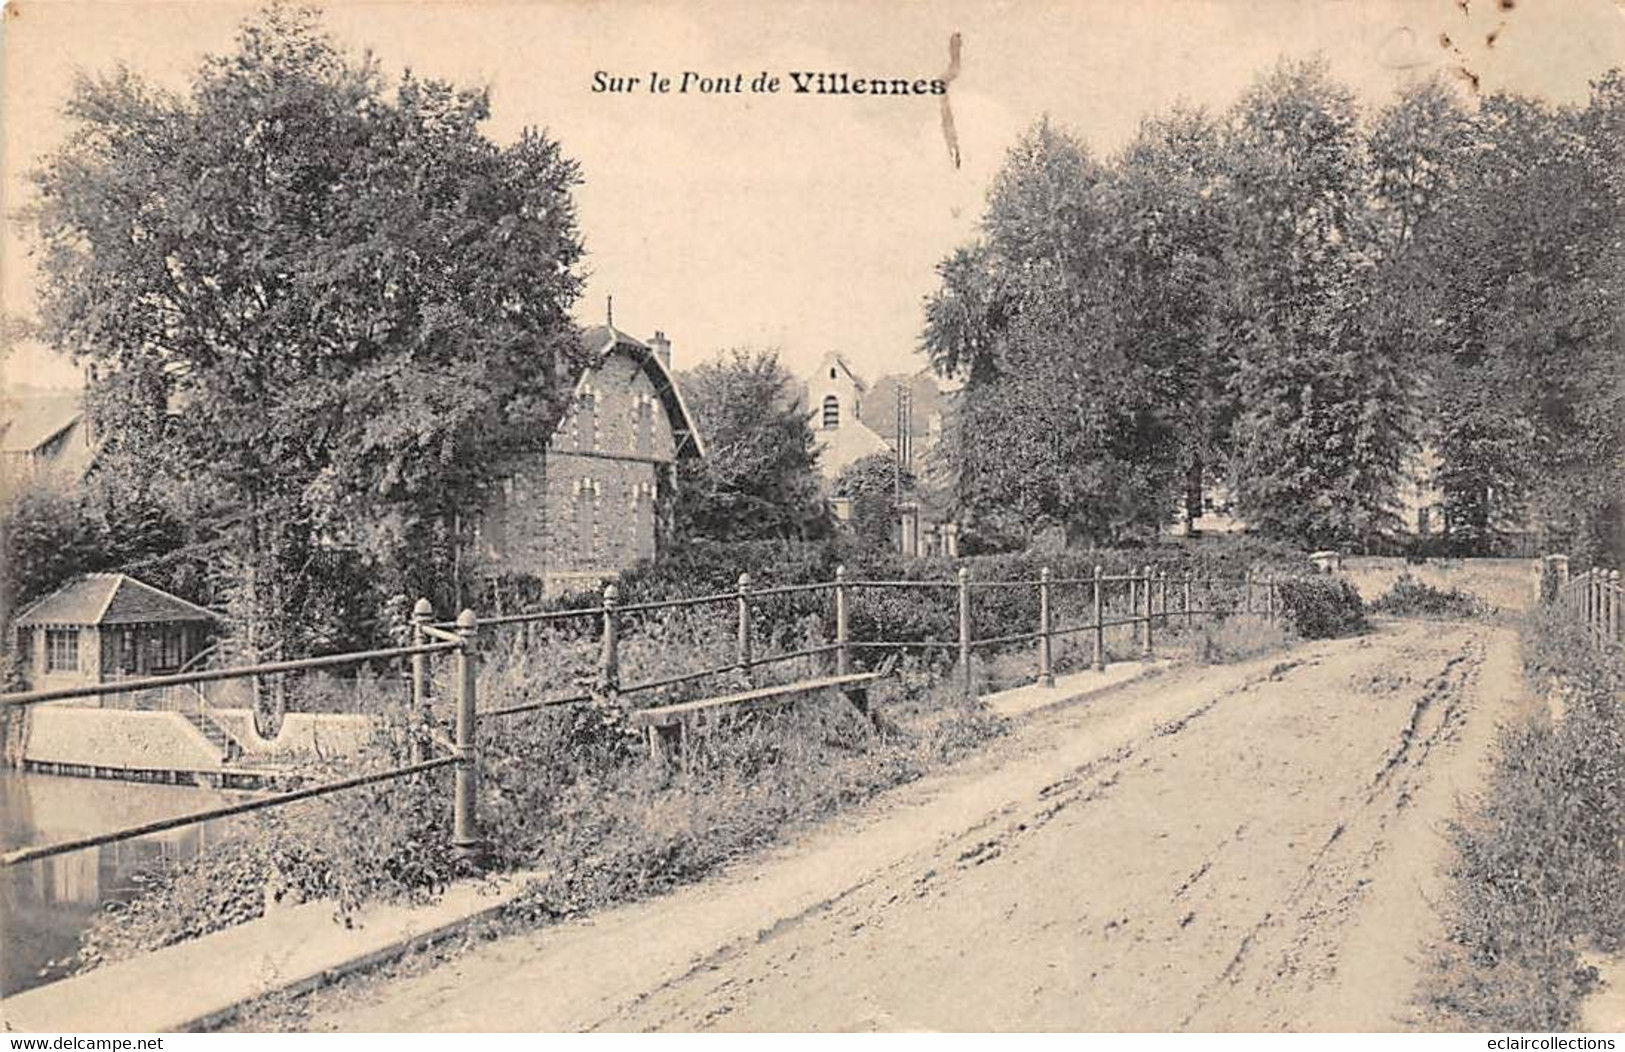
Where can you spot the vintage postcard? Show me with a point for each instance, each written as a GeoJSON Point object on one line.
{"type": "Point", "coordinates": [813, 516]}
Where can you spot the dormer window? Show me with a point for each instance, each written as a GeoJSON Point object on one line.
{"type": "Point", "coordinates": [832, 413]}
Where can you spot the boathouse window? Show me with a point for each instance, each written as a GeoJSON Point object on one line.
{"type": "Point", "coordinates": [62, 650]}
{"type": "Point", "coordinates": [832, 413]}
{"type": "Point", "coordinates": [164, 650]}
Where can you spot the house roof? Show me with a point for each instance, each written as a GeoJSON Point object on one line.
{"type": "Point", "coordinates": [110, 599]}
{"type": "Point", "coordinates": [604, 340]}
{"type": "Point", "coordinates": [27, 423]}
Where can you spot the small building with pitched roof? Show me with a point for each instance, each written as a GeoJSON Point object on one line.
{"type": "Point", "coordinates": [595, 497]}
{"type": "Point", "coordinates": [102, 627]}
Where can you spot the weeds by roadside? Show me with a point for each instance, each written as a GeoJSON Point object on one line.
{"type": "Point", "coordinates": [568, 791]}
{"type": "Point", "coordinates": [1539, 858]}
{"type": "Point", "coordinates": [1237, 639]}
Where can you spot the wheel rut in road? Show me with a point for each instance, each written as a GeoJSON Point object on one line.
{"type": "Point", "coordinates": [1246, 847]}
{"type": "Point", "coordinates": [1203, 875]}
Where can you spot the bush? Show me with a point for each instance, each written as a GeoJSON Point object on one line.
{"type": "Point", "coordinates": [914, 615]}
{"type": "Point", "coordinates": [1539, 862]}
{"type": "Point", "coordinates": [1409, 597]}
{"type": "Point", "coordinates": [379, 842]}
{"type": "Point", "coordinates": [1320, 606]}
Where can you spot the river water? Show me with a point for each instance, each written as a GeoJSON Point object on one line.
{"type": "Point", "coordinates": [45, 905]}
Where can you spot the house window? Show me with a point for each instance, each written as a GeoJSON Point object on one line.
{"type": "Point", "coordinates": [586, 520]}
{"type": "Point", "coordinates": [62, 650]}
{"type": "Point", "coordinates": [584, 418]}
{"type": "Point", "coordinates": [832, 413]}
{"type": "Point", "coordinates": [164, 648]}
{"type": "Point", "coordinates": [643, 410]}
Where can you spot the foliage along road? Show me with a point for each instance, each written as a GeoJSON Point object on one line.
{"type": "Point", "coordinates": [1247, 847]}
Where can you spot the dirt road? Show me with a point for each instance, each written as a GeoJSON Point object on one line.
{"type": "Point", "coordinates": [1251, 847]}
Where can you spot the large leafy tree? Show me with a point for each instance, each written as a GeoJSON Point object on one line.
{"type": "Point", "coordinates": [322, 307]}
{"type": "Point", "coordinates": [758, 479]}
{"type": "Point", "coordinates": [1171, 233]}
{"type": "Point", "coordinates": [1523, 270]}
{"type": "Point", "coordinates": [1059, 422]}
{"type": "Point", "coordinates": [1324, 408]}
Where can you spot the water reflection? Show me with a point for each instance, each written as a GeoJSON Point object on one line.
{"type": "Point", "coordinates": [45, 905]}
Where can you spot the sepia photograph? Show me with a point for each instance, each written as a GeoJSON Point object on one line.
{"type": "Point", "coordinates": [812, 516]}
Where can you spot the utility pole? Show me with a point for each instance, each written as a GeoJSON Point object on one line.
{"type": "Point", "coordinates": [904, 445]}
{"type": "Point", "coordinates": [908, 539]}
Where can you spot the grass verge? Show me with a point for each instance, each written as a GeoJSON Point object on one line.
{"type": "Point", "coordinates": [1538, 868]}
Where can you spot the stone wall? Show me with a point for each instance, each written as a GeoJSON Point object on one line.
{"type": "Point", "coordinates": [138, 741]}
{"type": "Point", "coordinates": [302, 734]}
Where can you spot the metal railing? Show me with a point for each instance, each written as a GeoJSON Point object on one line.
{"type": "Point", "coordinates": [461, 648]}
{"type": "Point", "coordinates": [1151, 600]}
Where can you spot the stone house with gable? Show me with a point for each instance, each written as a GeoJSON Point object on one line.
{"type": "Point", "coordinates": [596, 498]}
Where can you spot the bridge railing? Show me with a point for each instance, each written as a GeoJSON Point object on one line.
{"type": "Point", "coordinates": [460, 645]}
{"type": "Point", "coordinates": [1145, 602]}
{"type": "Point", "coordinates": [1593, 599]}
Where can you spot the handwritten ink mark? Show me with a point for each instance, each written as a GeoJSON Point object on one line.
{"type": "Point", "coordinates": [949, 135]}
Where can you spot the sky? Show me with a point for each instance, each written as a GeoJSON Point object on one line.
{"type": "Point", "coordinates": [802, 222]}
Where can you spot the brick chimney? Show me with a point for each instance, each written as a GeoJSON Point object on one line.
{"type": "Point", "coordinates": [662, 347]}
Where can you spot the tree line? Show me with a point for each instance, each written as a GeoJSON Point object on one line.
{"type": "Point", "coordinates": [321, 311]}
{"type": "Point", "coordinates": [1295, 297]}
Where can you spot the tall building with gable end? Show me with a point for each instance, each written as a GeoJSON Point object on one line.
{"type": "Point", "coordinates": [596, 498]}
{"type": "Point", "coordinates": [835, 400]}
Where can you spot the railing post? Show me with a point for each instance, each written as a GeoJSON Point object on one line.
{"type": "Point", "coordinates": [1269, 597]}
{"type": "Point", "coordinates": [1162, 595]}
{"type": "Point", "coordinates": [1613, 606]}
{"type": "Point", "coordinates": [1046, 675]}
{"type": "Point", "coordinates": [843, 644]}
{"type": "Point", "coordinates": [1145, 624]}
{"type": "Point", "coordinates": [1603, 604]}
{"type": "Point", "coordinates": [1597, 578]}
{"type": "Point", "coordinates": [1188, 615]}
{"type": "Point", "coordinates": [744, 656]}
{"type": "Point", "coordinates": [609, 661]}
{"type": "Point", "coordinates": [1248, 603]}
{"type": "Point", "coordinates": [465, 661]}
{"type": "Point", "coordinates": [1100, 620]}
{"type": "Point", "coordinates": [422, 713]}
{"type": "Point", "coordinates": [964, 630]}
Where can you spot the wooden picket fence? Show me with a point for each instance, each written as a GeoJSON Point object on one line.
{"type": "Point", "coordinates": [1592, 598]}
